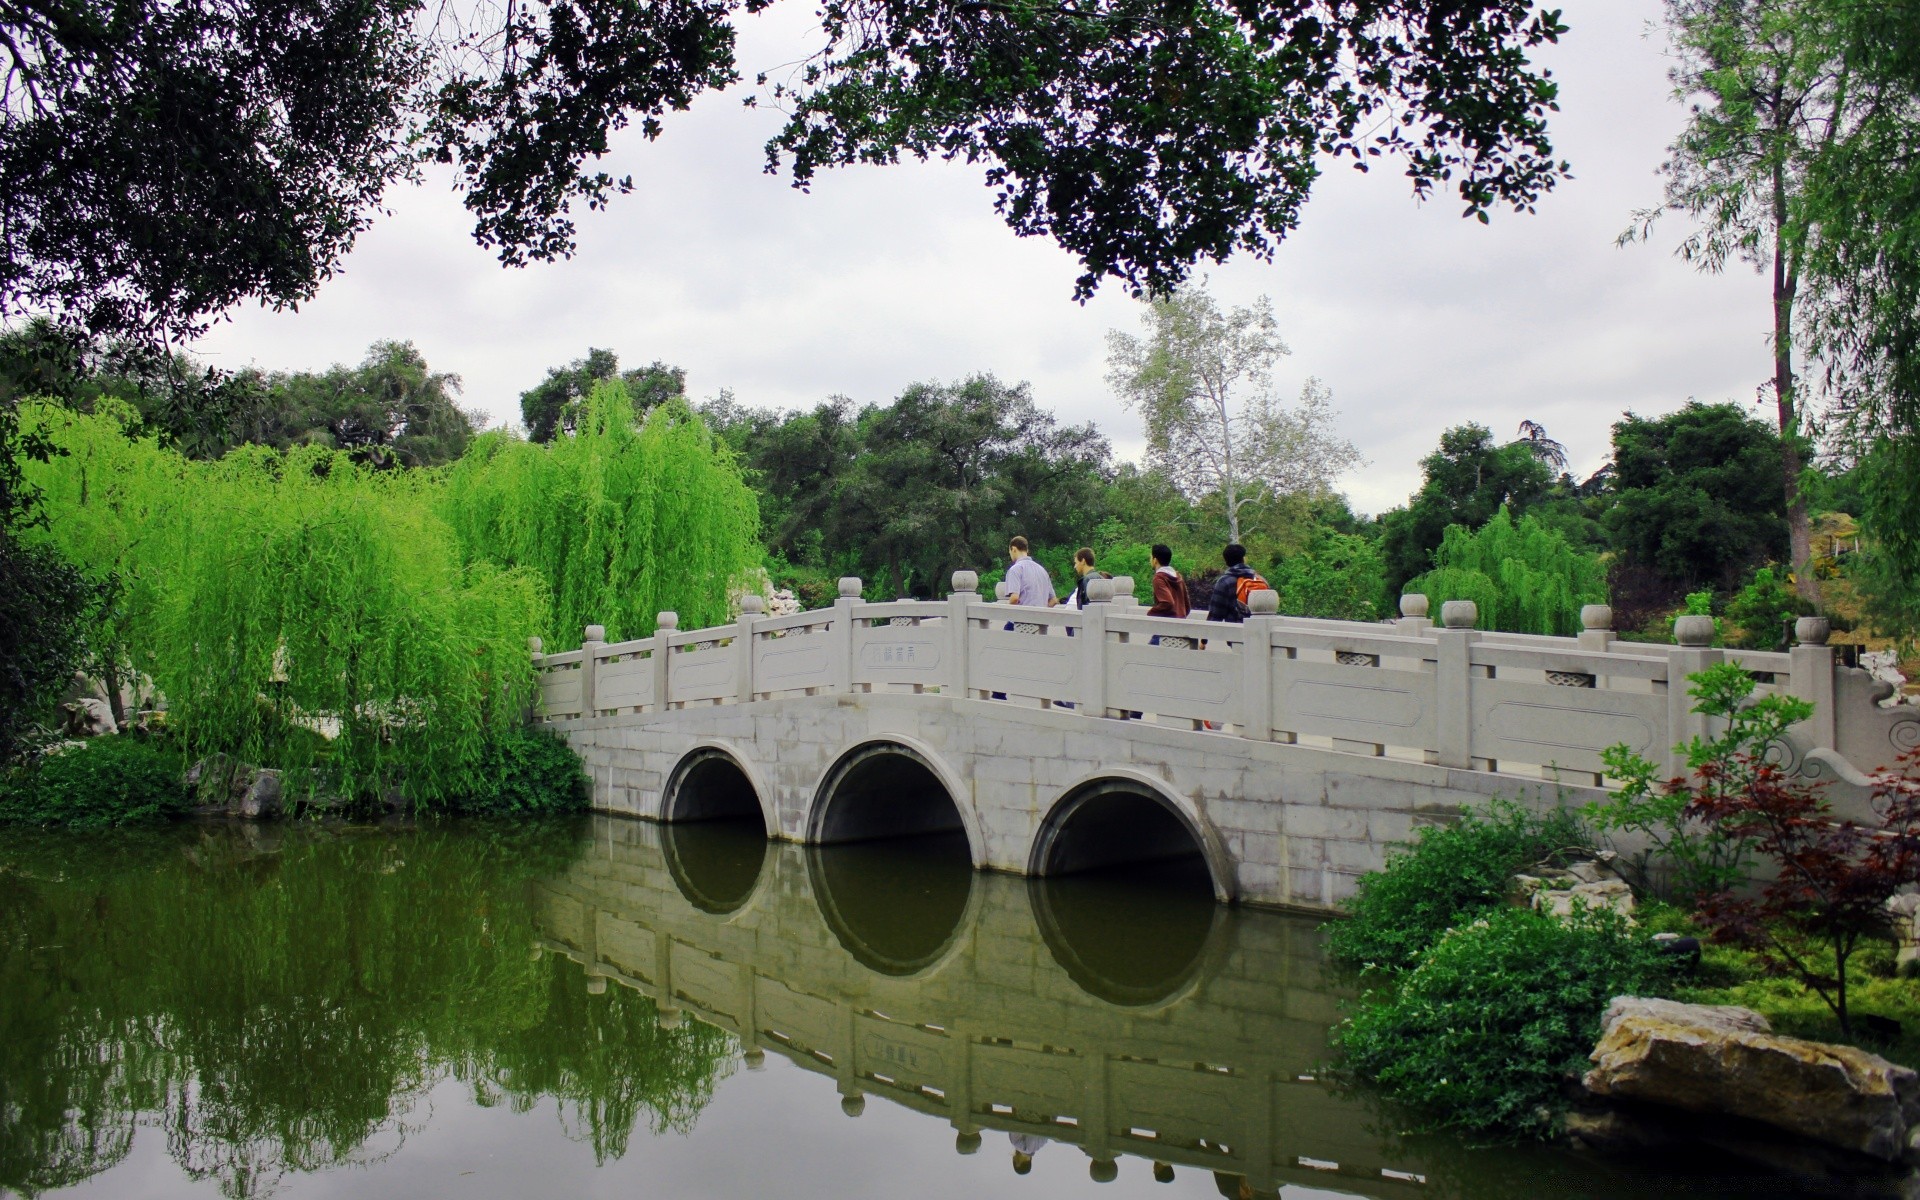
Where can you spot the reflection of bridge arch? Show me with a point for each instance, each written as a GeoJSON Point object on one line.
{"type": "Point", "coordinates": [996, 1033]}
{"type": "Point", "coordinates": [891, 788]}
{"type": "Point", "coordinates": [1172, 938]}
{"type": "Point", "coordinates": [901, 911]}
{"type": "Point", "coordinates": [1123, 817]}
{"type": "Point", "coordinates": [719, 866]}
{"type": "Point", "coordinates": [713, 781]}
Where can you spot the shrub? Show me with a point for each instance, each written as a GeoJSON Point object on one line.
{"type": "Point", "coordinates": [1481, 1037]}
{"type": "Point", "coordinates": [1450, 874]}
{"type": "Point", "coordinates": [107, 781]}
{"type": "Point", "coordinates": [1338, 576]}
{"type": "Point", "coordinates": [1705, 857]}
{"type": "Point", "coordinates": [1830, 880]}
{"type": "Point", "coordinates": [1762, 608]}
{"type": "Point", "coordinates": [525, 772]}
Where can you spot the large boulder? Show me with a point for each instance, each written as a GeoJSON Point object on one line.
{"type": "Point", "coordinates": [262, 799]}
{"type": "Point", "coordinates": [1727, 1060]}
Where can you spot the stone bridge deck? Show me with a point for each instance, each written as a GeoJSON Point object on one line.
{"type": "Point", "coordinates": [1288, 752]}
{"type": "Point", "coordinates": [1206, 1058]}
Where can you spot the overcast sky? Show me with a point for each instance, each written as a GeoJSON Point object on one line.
{"type": "Point", "coordinates": [884, 276]}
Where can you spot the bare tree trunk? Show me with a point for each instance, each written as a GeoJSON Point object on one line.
{"type": "Point", "coordinates": [110, 676]}
{"type": "Point", "coordinates": [1786, 282]}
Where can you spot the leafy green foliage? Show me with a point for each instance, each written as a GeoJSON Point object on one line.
{"type": "Point", "coordinates": [1202, 381]}
{"type": "Point", "coordinates": [1692, 501]}
{"type": "Point", "coordinates": [1703, 856]}
{"type": "Point", "coordinates": [43, 640]}
{"type": "Point", "coordinates": [526, 772]}
{"type": "Point", "coordinates": [1891, 575]}
{"type": "Point", "coordinates": [47, 602]}
{"type": "Point", "coordinates": [1481, 1036]}
{"type": "Point", "coordinates": [1338, 576]}
{"type": "Point", "coordinates": [1466, 481]}
{"type": "Point", "coordinates": [270, 594]}
{"type": "Point", "coordinates": [620, 522]}
{"type": "Point", "coordinates": [1761, 609]}
{"type": "Point", "coordinates": [1449, 875]}
{"type": "Point", "coordinates": [99, 783]}
{"type": "Point", "coordinates": [1524, 577]}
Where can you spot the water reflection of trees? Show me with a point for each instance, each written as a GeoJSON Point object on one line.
{"type": "Point", "coordinates": [280, 1002]}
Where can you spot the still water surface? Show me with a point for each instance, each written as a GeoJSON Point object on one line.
{"type": "Point", "coordinates": [612, 1008]}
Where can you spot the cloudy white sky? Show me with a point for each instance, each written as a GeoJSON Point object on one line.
{"type": "Point", "coordinates": [1416, 319]}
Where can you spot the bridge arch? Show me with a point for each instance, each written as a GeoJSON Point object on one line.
{"type": "Point", "coordinates": [715, 782]}
{"type": "Point", "coordinates": [720, 867]}
{"type": "Point", "coordinates": [1122, 816]}
{"type": "Point", "coordinates": [888, 788]}
{"type": "Point", "coordinates": [902, 912]}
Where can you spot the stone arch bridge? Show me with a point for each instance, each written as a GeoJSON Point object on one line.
{"type": "Point", "coordinates": [1286, 753]}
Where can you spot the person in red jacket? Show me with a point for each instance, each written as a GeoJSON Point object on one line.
{"type": "Point", "coordinates": [1169, 590]}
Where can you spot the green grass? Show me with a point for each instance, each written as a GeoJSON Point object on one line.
{"type": "Point", "coordinates": [1731, 975]}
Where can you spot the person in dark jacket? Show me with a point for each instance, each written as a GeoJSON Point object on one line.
{"type": "Point", "coordinates": [1224, 604]}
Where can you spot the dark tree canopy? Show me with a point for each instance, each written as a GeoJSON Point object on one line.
{"type": "Point", "coordinates": [937, 481]}
{"type": "Point", "coordinates": [555, 404]}
{"type": "Point", "coordinates": [1467, 480]}
{"type": "Point", "coordinates": [1691, 496]}
{"type": "Point", "coordinates": [163, 162]}
{"type": "Point", "coordinates": [1144, 136]}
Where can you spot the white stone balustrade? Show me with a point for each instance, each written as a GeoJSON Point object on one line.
{"type": "Point", "coordinates": [1483, 712]}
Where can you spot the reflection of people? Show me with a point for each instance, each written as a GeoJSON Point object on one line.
{"type": "Point", "coordinates": [1025, 1146]}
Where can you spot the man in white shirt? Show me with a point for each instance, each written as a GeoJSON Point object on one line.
{"type": "Point", "coordinates": [1027, 581]}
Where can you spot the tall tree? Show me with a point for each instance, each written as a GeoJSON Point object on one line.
{"type": "Point", "coordinates": [1466, 481]}
{"type": "Point", "coordinates": [555, 404]}
{"type": "Point", "coordinates": [1203, 381]}
{"type": "Point", "coordinates": [951, 472]}
{"type": "Point", "coordinates": [1685, 505]}
{"type": "Point", "coordinates": [1771, 92]}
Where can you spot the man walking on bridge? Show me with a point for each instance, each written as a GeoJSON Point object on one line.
{"type": "Point", "coordinates": [1028, 584]}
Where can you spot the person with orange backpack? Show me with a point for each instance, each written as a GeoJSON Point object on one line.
{"type": "Point", "coordinates": [1231, 590]}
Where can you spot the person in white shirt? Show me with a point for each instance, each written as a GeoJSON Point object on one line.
{"type": "Point", "coordinates": [1027, 581]}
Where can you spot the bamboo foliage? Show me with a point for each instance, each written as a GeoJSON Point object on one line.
{"type": "Point", "coordinates": [621, 521]}
{"type": "Point", "coordinates": [1524, 577]}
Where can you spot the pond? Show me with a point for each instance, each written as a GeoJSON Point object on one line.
{"type": "Point", "coordinates": [607, 1007]}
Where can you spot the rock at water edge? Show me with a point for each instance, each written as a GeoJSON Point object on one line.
{"type": "Point", "coordinates": [1722, 1060]}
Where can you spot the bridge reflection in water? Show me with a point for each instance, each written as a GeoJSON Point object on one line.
{"type": "Point", "coordinates": [1125, 1020]}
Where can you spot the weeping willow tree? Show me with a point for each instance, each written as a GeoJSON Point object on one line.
{"type": "Point", "coordinates": [621, 521]}
{"type": "Point", "coordinates": [1524, 577]}
{"type": "Point", "coordinates": [295, 609]}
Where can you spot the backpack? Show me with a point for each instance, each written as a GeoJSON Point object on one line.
{"type": "Point", "coordinates": [1245, 586]}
